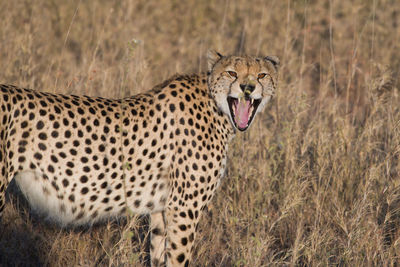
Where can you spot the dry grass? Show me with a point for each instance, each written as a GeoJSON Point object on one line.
{"type": "Point", "coordinates": [316, 179]}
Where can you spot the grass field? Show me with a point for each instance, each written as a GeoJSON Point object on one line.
{"type": "Point", "coordinates": [316, 179]}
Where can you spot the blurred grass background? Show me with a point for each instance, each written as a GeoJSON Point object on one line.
{"type": "Point", "coordinates": [314, 182]}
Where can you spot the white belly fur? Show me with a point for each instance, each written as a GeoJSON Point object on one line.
{"type": "Point", "coordinates": [32, 184]}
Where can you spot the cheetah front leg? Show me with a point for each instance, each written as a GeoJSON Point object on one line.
{"type": "Point", "coordinates": [3, 187]}
{"type": "Point", "coordinates": [3, 180]}
{"type": "Point", "coordinates": [157, 235]}
{"type": "Point", "coordinates": [181, 224]}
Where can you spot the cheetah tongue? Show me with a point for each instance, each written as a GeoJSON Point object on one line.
{"type": "Point", "coordinates": [242, 112]}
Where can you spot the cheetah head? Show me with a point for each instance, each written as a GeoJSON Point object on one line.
{"type": "Point", "coordinates": [241, 86]}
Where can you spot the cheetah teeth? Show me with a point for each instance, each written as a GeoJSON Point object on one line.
{"type": "Point", "coordinates": [243, 110]}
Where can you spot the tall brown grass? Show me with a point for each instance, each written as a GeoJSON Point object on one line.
{"type": "Point", "coordinates": [315, 181]}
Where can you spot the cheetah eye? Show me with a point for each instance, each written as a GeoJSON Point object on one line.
{"type": "Point", "coordinates": [232, 73]}
{"type": "Point", "coordinates": [261, 75]}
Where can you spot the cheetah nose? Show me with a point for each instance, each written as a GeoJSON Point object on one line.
{"type": "Point", "coordinates": [247, 88]}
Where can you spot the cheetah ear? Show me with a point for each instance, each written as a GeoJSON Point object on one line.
{"type": "Point", "coordinates": [212, 58]}
{"type": "Point", "coordinates": [274, 60]}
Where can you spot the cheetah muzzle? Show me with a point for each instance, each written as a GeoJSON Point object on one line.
{"type": "Point", "coordinates": [81, 159]}
{"type": "Point", "coordinates": [243, 110]}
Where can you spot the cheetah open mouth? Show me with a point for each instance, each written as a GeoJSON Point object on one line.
{"type": "Point", "coordinates": [243, 111]}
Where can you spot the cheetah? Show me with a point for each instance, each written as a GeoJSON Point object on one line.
{"type": "Point", "coordinates": [81, 159]}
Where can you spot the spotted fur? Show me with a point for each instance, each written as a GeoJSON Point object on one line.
{"type": "Point", "coordinates": [81, 159]}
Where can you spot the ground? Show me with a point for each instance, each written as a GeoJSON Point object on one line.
{"type": "Point", "coordinates": [314, 181]}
